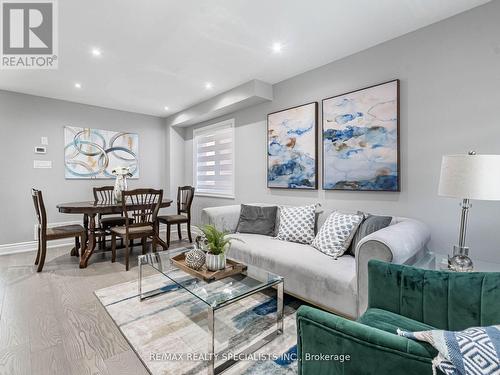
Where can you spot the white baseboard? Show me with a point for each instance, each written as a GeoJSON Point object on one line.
{"type": "Point", "coordinates": [23, 247]}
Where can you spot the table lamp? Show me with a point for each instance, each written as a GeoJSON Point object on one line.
{"type": "Point", "coordinates": [468, 177]}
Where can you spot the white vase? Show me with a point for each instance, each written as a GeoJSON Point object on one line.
{"type": "Point", "coordinates": [120, 185]}
{"type": "Point", "coordinates": [216, 262]}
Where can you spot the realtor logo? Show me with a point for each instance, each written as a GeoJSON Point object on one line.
{"type": "Point", "coordinates": [29, 34]}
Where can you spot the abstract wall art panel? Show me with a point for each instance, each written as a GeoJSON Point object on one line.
{"type": "Point", "coordinates": [361, 139]}
{"type": "Point", "coordinates": [292, 148]}
{"type": "Point", "coordinates": [94, 153]}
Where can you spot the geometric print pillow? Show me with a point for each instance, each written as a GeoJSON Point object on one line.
{"type": "Point", "coordinates": [472, 351]}
{"type": "Point", "coordinates": [297, 224]}
{"type": "Point", "coordinates": [337, 232]}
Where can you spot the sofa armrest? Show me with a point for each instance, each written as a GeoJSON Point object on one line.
{"type": "Point", "coordinates": [399, 243]}
{"type": "Point", "coordinates": [371, 350]}
{"type": "Point", "coordinates": [223, 217]}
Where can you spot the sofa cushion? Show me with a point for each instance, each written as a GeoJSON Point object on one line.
{"type": "Point", "coordinates": [391, 322]}
{"type": "Point", "coordinates": [308, 273]}
{"type": "Point", "coordinates": [370, 225]}
{"type": "Point", "coordinates": [318, 214]}
{"type": "Point", "coordinates": [336, 234]}
{"type": "Point", "coordinates": [474, 350]}
{"type": "Point", "coordinates": [257, 220]}
{"type": "Point", "coordinates": [297, 224]}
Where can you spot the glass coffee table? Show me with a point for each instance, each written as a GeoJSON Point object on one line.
{"type": "Point", "coordinates": [216, 295]}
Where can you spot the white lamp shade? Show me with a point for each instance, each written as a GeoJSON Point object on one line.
{"type": "Point", "coordinates": [470, 176]}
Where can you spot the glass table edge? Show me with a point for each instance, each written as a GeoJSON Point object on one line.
{"type": "Point", "coordinates": [276, 279]}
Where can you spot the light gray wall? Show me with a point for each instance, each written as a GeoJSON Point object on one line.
{"type": "Point", "coordinates": [450, 95]}
{"type": "Point", "coordinates": [177, 162]}
{"type": "Point", "coordinates": [24, 119]}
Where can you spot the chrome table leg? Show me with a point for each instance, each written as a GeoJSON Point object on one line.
{"type": "Point", "coordinates": [211, 341]}
{"type": "Point", "coordinates": [279, 311]}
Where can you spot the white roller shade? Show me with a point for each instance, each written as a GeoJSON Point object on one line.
{"type": "Point", "coordinates": [213, 159]}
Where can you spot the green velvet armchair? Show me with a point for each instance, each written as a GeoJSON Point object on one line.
{"type": "Point", "coordinates": [402, 297]}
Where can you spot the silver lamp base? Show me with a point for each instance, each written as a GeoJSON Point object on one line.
{"type": "Point", "coordinates": [460, 261]}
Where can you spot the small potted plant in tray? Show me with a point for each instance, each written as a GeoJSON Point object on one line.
{"type": "Point", "coordinates": [217, 244]}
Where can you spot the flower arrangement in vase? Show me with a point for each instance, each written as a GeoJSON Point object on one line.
{"type": "Point", "coordinates": [121, 174]}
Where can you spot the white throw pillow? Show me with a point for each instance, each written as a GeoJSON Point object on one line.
{"type": "Point", "coordinates": [297, 224]}
{"type": "Point", "coordinates": [336, 234]}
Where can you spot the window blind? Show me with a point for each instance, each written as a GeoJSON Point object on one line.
{"type": "Point", "coordinates": [213, 159]}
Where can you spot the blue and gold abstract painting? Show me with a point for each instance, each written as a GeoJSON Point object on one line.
{"type": "Point", "coordinates": [360, 139]}
{"type": "Point", "coordinates": [94, 153]}
{"type": "Point", "coordinates": [292, 148]}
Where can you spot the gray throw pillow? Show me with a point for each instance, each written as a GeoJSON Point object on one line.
{"type": "Point", "coordinates": [370, 225]}
{"type": "Point", "coordinates": [257, 220]}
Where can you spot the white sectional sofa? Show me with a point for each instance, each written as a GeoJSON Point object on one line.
{"type": "Point", "coordinates": [337, 285]}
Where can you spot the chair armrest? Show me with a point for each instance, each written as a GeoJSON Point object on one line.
{"type": "Point", "coordinates": [399, 243]}
{"type": "Point", "coordinates": [223, 217]}
{"type": "Point", "coordinates": [320, 332]}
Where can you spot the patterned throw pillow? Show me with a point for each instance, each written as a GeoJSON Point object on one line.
{"type": "Point", "coordinates": [336, 234]}
{"type": "Point", "coordinates": [472, 351]}
{"type": "Point", "coordinates": [297, 224]}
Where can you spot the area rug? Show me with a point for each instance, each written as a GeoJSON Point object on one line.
{"type": "Point", "coordinates": [169, 332]}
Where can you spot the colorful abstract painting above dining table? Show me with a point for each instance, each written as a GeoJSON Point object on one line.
{"type": "Point", "coordinates": [292, 148]}
{"type": "Point", "coordinates": [361, 139]}
{"type": "Point", "coordinates": [94, 153]}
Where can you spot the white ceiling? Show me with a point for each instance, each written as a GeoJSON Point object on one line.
{"type": "Point", "coordinates": [159, 53]}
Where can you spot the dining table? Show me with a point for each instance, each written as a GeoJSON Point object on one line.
{"type": "Point", "coordinates": [89, 210]}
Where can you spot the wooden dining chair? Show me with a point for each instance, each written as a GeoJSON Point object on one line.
{"type": "Point", "coordinates": [104, 195]}
{"type": "Point", "coordinates": [146, 206]}
{"type": "Point", "coordinates": [185, 195]}
{"type": "Point", "coordinates": [55, 233]}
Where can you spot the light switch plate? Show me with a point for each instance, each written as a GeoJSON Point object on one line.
{"type": "Point", "coordinates": [42, 164]}
{"type": "Point", "coordinates": [44, 141]}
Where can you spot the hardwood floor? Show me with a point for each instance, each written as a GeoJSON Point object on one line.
{"type": "Point", "coordinates": [51, 322]}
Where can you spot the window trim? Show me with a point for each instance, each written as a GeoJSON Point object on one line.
{"type": "Point", "coordinates": [196, 132]}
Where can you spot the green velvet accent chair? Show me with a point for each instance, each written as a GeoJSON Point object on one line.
{"type": "Point", "coordinates": [399, 296]}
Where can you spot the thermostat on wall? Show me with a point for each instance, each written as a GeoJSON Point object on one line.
{"type": "Point", "coordinates": [42, 164]}
{"type": "Point", "coordinates": [40, 150]}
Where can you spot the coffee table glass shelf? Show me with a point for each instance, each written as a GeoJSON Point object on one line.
{"type": "Point", "coordinates": [216, 295]}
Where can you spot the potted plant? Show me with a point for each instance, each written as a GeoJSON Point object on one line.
{"type": "Point", "coordinates": [217, 244]}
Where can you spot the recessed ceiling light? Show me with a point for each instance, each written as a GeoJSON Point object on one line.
{"type": "Point", "coordinates": [96, 52]}
{"type": "Point", "coordinates": [165, 108]}
{"type": "Point", "coordinates": [78, 85]}
{"type": "Point", "coordinates": [209, 85]}
{"type": "Point", "coordinates": [277, 47]}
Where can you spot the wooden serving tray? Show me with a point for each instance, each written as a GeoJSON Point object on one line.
{"type": "Point", "coordinates": [232, 268]}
